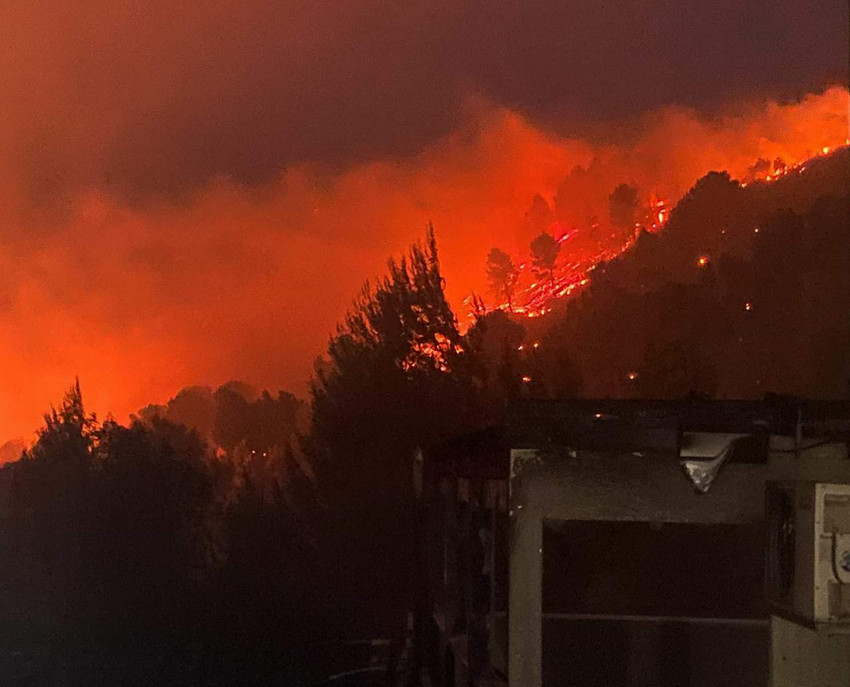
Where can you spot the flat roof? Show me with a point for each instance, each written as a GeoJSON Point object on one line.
{"type": "Point", "coordinates": [634, 425]}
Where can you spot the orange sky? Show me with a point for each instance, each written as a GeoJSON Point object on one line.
{"type": "Point", "coordinates": [192, 192]}
{"type": "Point", "coordinates": [232, 281]}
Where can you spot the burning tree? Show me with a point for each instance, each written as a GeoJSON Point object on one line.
{"type": "Point", "coordinates": [502, 274]}
{"type": "Point", "coordinates": [544, 253]}
{"type": "Point", "coordinates": [759, 170]}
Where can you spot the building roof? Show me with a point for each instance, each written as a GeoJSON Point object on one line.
{"type": "Point", "coordinates": [657, 427]}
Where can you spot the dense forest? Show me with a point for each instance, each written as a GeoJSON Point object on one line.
{"type": "Point", "coordinates": [233, 537]}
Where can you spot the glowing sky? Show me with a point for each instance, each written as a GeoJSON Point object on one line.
{"type": "Point", "coordinates": [194, 192]}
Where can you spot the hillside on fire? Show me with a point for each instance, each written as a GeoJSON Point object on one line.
{"type": "Point", "coordinates": [743, 291]}
{"type": "Point", "coordinates": [229, 523]}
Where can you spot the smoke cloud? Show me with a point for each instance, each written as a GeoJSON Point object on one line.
{"type": "Point", "coordinates": [195, 193]}
{"type": "Point", "coordinates": [155, 99]}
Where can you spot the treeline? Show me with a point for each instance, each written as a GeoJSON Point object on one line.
{"type": "Point", "coordinates": [230, 537]}
{"type": "Point", "coordinates": [138, 555]}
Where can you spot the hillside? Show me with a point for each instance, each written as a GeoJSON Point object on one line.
{"type": "Point", "coordinates": [745, 291]}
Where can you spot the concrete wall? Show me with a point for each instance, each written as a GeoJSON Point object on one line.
{"type": "Point", "coordinates": [801, 657]}
{"type": "Point", "coordinates": [564, 485]}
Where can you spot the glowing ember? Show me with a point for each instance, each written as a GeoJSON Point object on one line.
{"type": "Point", "coordinates": [526, 379]}
{"type": "Point", "coordinates": [702, 261]}
{"type": "Point", "coordinates": [425, 355]}
{"type": "Point", "coordinates": [632, 376]}
{"type": "Point", "coordinates": [657, 216]}
{"type": "Point", "coordinates": [748, 306]}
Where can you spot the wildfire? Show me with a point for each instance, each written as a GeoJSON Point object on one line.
{"type": "Point", "coordinates": [658, 215]}
{"type": "Point", "coordinates": [534, 295]}
{"type": "Point", "coordinates": [431, 355]}
{"type": "Point", "coordinates": [768, 172]}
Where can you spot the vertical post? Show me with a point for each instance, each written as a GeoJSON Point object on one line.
{"type": "Point", "coordinates": [525, 664]}
{"type": "Point", "coordinates": [478, 596]}
{"type": "Point", "coordinates": [491, 552]}
{"type": "Point", "coordinates": [417, 622]}
{"type": "Point", "coordinates": [450, 599]}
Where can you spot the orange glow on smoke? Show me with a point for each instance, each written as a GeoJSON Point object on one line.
{"type": "Point", "coordinates": [248, 283]}
{"type": "Point", "coordinates": [743, 145]}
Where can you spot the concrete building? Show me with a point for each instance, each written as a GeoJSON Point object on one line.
{"type": "Point", "coordinates": [621, 543]}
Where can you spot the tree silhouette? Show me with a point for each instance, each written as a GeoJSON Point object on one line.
{"type": "Point", "coordinates": [157, 475]}
{"type": "Point", "coordinates": [111, 520]}
{"type": "Point", "coordinates": [502, 274]}
{"type": "Point", "coordinates": [579, 195]}
{"type": "Point", "coordinates": [544, 253]}
{"type": "Point", "coordinates": [399, 345]}
{"type": "Point", "coordinates": [133, 538]}
{"type": "Point", "coordinates": [69, 433]}
{"type": "Point", "coordinates": [493, 341]}
{"type": "Point", "coordinates": [759, 170]}
{"type": "Point", "coordinates": [194, 407]}
{"type": "Point", "coordinates": [622, 205]}
{"type": "Point", "coordinates": [399, 378]}
{"type": "Point", "coordinates": [54, 480]}
{"type": "Point", "coordinates": [539, 214]}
